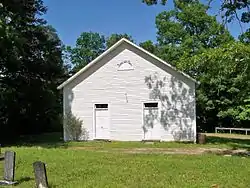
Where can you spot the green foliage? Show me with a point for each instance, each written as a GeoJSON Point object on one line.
{"type": "Point", "coordinates": [154, 2]}
{"type": "Point", "coordinates": [189, 30]}
{"type": "Point", "coordinates": [224, 75]}
{"type": "Point", "coordinates": [194, 41]}
{"type": "Point", "coordinates": [245, 37]}
{"type": "Point", "coordinates": [233, 8]}
{"type": "Point", "coordinates": [74, 129]}
{"type": "Point", "coordinates": [115, 38]}
{"type": "Point", "coordinates": [89, 45]}
{"type": "Point", "coordinates": [244, 111]}
{"type": "Point", "coordinates": [238, 10]}
{"type": "Point", "coordinates": [31, 68]}
{"type": "Point", "coordinates": [149, 46]}
{"type": "Point", "coordinates": [231, 11]}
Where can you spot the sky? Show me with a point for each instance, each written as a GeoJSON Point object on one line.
{"type": "Point", "coordinates": [71, 18]}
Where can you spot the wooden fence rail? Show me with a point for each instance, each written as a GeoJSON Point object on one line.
{"type": "Point", "coordinates": [232, 129]}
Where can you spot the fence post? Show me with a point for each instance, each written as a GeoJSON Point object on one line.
{"type": "Point", "coordinates": [201, 138]}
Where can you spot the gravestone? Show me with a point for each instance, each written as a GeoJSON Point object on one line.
{"type": "Point", "coordinates": [40, 174]}
{"type": "Point", "coordinates": [9, 165]}
{"type": "Point", "coordinates": [9, 168]}
{"type": "Point", "coordinates": [1, 155]}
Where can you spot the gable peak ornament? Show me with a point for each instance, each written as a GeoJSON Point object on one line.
{"type": "Point", "coordinates": [125, 65]}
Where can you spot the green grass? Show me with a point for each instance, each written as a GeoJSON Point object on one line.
{"type": "Point", "coordinates": [117, 144]}
{"type": "Point", "coordinates": [72, 168]}
{"type": "Point", "coordinates": [235, 141]}
{"type": "Point", "coordinates": [229, 136]}
{"type": "Point", "coordinates": [54, 140]}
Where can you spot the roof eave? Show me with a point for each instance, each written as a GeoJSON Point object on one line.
{"type": "Point", "coordinates": [111, 49]}
{"type": "Point", "coordinates": [89, 65]}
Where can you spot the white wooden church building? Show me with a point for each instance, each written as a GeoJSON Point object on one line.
{"type": "Point", "coordinates": [129, 94]}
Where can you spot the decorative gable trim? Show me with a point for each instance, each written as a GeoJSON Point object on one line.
{"type": "Point", "coordinates": [125, 65]}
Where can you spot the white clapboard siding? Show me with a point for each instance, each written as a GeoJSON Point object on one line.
{"type": "Point", "coordinates": [125, 91]}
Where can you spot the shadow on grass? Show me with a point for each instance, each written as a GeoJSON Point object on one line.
{"type": "Point", "coordinates": [55, 140]}
{"type": "Point", "coordinates": [231, 142]}
{"type": "Point", "coordinates": [48, 140]}
{"type": "Point", "coordinates": [24, 179]}
{"type": "Point", "coordinates": [52, 185]}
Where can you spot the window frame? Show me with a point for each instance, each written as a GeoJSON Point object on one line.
{"type": "Point", "coordinates": [143, 108]}
{"type": "Point", "coordinates": [148, 102]}
{"type": "Point", "coordinates": [97, 104]}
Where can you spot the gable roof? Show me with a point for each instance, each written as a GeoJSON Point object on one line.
{"type": "Point", "coordinates": [123, 40]}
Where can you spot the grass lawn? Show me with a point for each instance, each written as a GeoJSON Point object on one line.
{"type": "Point", "coordinates": [68, 167]}
{"type": "Point", "coordinates": [213, 140]}
{"type": "Point", "coordinates": [72, 168]}
{"type": "Point", "coordinates": [229, 136]}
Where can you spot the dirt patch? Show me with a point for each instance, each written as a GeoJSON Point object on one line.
{"type": "Point", "coordinates": [163, 150]}
{"type": "Point", "coordinates": [186, 151]}
{"type": "Point", "coordinates": [85, 148]}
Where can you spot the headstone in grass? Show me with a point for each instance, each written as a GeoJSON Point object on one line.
{"type": "Point", "coordinates": [40, 174]}
{"type": "Point", "coordinates": [9, 165]}
{"type": "Point", "coordinates": [1, 155]}
{"type": "Point", "coordinates": [9, 168]}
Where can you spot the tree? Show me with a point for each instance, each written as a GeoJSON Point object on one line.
{"type": "Point", "coordinates": [116, 37]}
{"type": "Point", "coordinates": [245, 37]}
{"type": "Point", "coordinates": [31, 68]}
{"type": "Point", "coordinates": [239, 10]}
{"type": "Point", "coordinates": [223, 93]}
{"type": "Point", "coordinates": [154, 2]}
{"type": "Point", "coordinates": [149, 46]}
{"type": "Point", "coordinates": [233, 9]}
{"type": "Point", "coordinates": [236, 9]}
{"type": "Point", "coordinates": [188, 30]}
{"type": "Point", "coordinates": [89, 45]}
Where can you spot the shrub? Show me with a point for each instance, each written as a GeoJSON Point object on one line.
{"type": "Point", "coordinates": [73, 128]}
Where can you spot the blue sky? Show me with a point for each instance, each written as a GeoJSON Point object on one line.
{"type": "Point", "coordinates": [71, 18]}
